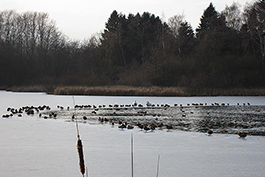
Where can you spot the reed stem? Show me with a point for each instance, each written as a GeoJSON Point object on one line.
{"type": "Point", "coordinates": [80, 148]}
{"type": "Point", "coordinates": [132, 153]}
{"type": "Point", "coordinates": [157, 169]}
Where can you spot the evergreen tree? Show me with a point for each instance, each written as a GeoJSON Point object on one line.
{"type": "Point", "coordinates": [207, 19]}
{"type": "Point", "coordinates": [211, 20]}
{"type": "Point", "coordinates": [186, 39]}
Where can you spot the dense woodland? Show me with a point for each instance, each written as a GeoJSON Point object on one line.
{"type": "Point", "coordinates": [226, 50]}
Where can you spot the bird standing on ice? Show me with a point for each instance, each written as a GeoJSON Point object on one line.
{"type": "Point", "coordinates": [148, 103]}
{"type": "Point", "coordinates": [134, 103]}
{"type": "Point", "coordinates": [210, 132]}
{"type": "Point", "coordinates": [242, 135]}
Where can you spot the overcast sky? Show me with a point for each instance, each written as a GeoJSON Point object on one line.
{"type": "Point", "coordinates": [79, 19]}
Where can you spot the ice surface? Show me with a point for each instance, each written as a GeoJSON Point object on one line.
{"type": "Point", "coordinates": [31, 146]}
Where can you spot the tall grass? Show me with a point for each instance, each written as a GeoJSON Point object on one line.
{"type": "Point", "coordinates": [226, 92]}
{"type": "Point", "coordinates": [118, 90]}
{"type": "Point", "coordinates": [156, 91]}
{"type": "Point", "coordinates": [29, 88]}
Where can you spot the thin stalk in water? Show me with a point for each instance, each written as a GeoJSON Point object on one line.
{"type": "Point", "coordinates": [132, 153]}
{"type": "Point", "coordinates": [157, 169]}
{"type": "Point", "coordinates": [80, 148]}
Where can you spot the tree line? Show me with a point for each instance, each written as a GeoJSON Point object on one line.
{"type": "Point", "coordinates": [226, 50]}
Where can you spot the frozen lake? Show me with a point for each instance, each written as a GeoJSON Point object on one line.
{"type": "Point", "coordinates": [31, 146]}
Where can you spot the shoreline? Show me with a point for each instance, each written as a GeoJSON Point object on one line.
{"type": "Point", "coordinates": [138, 91]}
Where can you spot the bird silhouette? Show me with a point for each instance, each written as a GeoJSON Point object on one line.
{"type": "Point", "coordinates": [210, 132]}
{"type": "Point", "coordinates": [242, 135]}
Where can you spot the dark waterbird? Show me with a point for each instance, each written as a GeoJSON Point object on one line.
{"type": "Point", "coordinates": [169, 127]}
{"type": "Point", "coordinates": [130, 127]}
{"type": "Point", "coordinates": [242, 134]}
{"type": "Point", "coordinates": [209, 132]}
{"type": "Point", "coordinates": [146, 128]}
{"type": "Point", "coordinates": [122, 126]}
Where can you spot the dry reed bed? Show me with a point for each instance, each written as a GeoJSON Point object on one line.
{"type": "Point", "coordinates": [227, 92]}
{"type": "Point", "coordinates": [155, 91]}
{"type": "Point", "coordinates": [30, 88]}
{"type": "Point", "coordinates": [120, 91]}
{"type": "Point", "coordinates": [139, 91]}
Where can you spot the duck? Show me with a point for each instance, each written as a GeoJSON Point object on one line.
{"type": "Point", "coordinates": [148, 103]}
{"type": "Point", "coordinates": [152, 127]}
{"type": "Point", "coordinates": [210, 132]}
{"type": "Point", "coordinates": [140, 105]}
{"type": "Point", "coordinates": [242, 135]}
{"type": "Point", "coordinates": [146, 128]}
{"type": "Point", "coordinates": [101, 120]}
{"type": "Point", "coordinates": [5, 116]}
{"type": "Point", "coordinates": [161, 126]}
{"type": "Point", "coordinates": [122, 126]}
{"type": "Point", "coordinates": [169, 127]}
{"type": "Point", "coordinates": [140, 125]}
{"type": "Point", "coordinates": [130, 126]}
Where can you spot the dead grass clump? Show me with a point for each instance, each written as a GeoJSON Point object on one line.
{"type": "Point", "coordinates": [32, 88]}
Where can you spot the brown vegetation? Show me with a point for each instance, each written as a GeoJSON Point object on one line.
{"type": "Point", "coordinates": [155, 91]}
{"type": "Point", "coordinates": [139, 91]}
{"type": "Point", "coordinates": [120, 91]}
{"type": "Point", "coordinates": [30, 88]}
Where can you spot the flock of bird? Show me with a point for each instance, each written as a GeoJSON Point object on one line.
{"type": "Point", "coordinates": [149, 104]}
{"type": "Point", "coordinates": [30, 110]}
{"type": "Point", "coordinates": [143, 126]}
{"type": "Point", "coordinates": [150, 127]}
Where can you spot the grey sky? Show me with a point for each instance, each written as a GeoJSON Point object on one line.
{"type": "Point", "coordinates": [79, 19]}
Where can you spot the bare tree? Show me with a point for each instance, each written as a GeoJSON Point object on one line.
{"type": "Point", "coordinates": [255, 18]}
{"type": "Point", "coordinates": [174, 23]}
{"type": "Point", "coordinates": [8, 26]}
{"type": "Point", "coordinates": [233, 16]}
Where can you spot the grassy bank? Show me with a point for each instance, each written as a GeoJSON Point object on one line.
{"type": "Point", "coordinates": [140, 91]}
